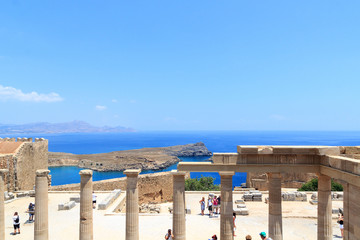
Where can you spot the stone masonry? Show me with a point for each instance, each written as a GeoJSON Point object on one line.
{"type": "Point", "coordinates": [22, 157]}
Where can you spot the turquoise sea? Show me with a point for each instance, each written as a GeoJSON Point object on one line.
{"type": "Point", "coordinates": [216, 141]}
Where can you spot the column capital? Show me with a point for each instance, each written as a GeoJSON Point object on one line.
{"type": "Point", "coordinates": [132, 172]}
{"type": "Point", "coordinates": [42, 172]}
{"type": "Point", "coordinates": [227, 173]}
{"type": "Point", "coordinates": [3, 171]}
{"type": "Point", "coordinates": [86, 172]}
{"type": "Point", "coordinates": [177, 173]}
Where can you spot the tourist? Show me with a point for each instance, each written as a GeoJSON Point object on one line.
{"type": "Point", "coordinates": [94, 200]}
{"type": "Point", "coordinates": [31, 211]}
{"type": "Point", "coordinates": [215, 205]}
{"type": "Point", "coordinates": [169, 235]}
{"type": "Point", "coordinates": [202, 205]}
{"type": "Point", "coordinates": [219, 200]}
{"type": "Point", "coordinates": [248, 237]}
{"type": "Point", "coordinates": [209, 205]}
{"type": "Point", "coordinates": [16, 222]}
{"type": "Point", "coordinates": [263, 236]}
{"type": "Point", "coordinates": [234, 218]}
{"type": "Point", "coordinates": [214, 237]}
{"type": "Point", "coordinates": [341, 224]}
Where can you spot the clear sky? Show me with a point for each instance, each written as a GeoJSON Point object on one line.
{"type": "Point", "coordinates": [182, 65]}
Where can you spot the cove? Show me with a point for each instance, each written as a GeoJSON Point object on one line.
{"type": "Point", "coordinates": [70, 174]}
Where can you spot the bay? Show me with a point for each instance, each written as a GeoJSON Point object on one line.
{"type": "Point", "coordinates": [216, 141]}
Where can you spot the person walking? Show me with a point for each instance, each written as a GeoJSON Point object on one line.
{"type": "Point", "coordinates": [202, 205]}
{"type": "Point", "coordinates": [16, 223]}
{"type": "Point", "coordinates": [31, 211]}
{"type": "Point", "coordinates": [263, 236]}
{"type": "Point", "coordinates": [341, 224]}
{"type": "Point", "coordinates": [169, 235]}
{"type": "Point", "coordinates": [209, 204]}
{"type": "Point", "coordinates": [215, 205]}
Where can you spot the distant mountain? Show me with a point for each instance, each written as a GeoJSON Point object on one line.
{"type": "Point", "coordinates": [68, 127]}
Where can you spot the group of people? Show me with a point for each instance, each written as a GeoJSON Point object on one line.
{"type": "Point", "coordinates": [16, 218]}
{"type": "Point", "coordinates": [248, 237]}
{"type": "Point", "coordinates": [213, 205]}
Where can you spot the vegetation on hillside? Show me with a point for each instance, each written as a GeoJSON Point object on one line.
{"type": "Point", "coordinates": [201, 184]}
{"type": "Point", "coordinates": [312, 185]}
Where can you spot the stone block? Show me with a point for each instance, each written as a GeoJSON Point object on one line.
{"type": "Point", "coordinates": [244, 211]}
{"type": "Point", "coordinates": [314, 196]}
{"type": "Point", "coordinates": [61, 206]}
{"type": "Point", "coordinates": [247, 149]}
{"type": "Point", "coordinates": [75, 198]}
{"type": "Point", "coordinates": [69, 205]}
{"type": "Point", "coordinates": [225, 158]}
{"type": "Point", "coordinates": [239, 201]}
{"type": "Point", "coordinates": [257, 199]}
{"type": "Point", "coordinates": [32, 193]}
{"type": "Point", "coordinates": [313, 202]}
{"type": "Point", "coordinates": [335, 210]}
{"type": "Point", "coordinates": [66, 206]}
{"type": "Point", "coordinates": [109, 199]}
{"type": "Point", "coordinates": [241, 206]}
{"type": "Point", "coordinates": [22, 194]}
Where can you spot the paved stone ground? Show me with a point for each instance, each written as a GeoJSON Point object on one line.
{"type": "Point", "coordinates": [299, 221]}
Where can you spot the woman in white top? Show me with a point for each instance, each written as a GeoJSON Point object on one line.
{"type": "Point", "coordinates": [16, 222]}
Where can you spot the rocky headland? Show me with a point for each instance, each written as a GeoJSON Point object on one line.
{"type": "Point", "coordinates": [145, 158]}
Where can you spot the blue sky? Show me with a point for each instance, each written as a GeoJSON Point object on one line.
{"type": "Point", "coordinates": [182, 65]}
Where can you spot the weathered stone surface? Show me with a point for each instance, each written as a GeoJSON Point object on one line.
{"type": "Point", "coordinates": [103, 205]}
{"type": "Point", "coordinates": [75, 198]}
{"type": "Point", "coordinates": [22, 159]}
{"type": "Point", "coordinates": [66, 206]}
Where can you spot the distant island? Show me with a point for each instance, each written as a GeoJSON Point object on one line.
{"type": "Point", "coordinates": [67, 127]}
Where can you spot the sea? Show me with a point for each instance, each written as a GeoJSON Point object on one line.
{"type": "Point", "coordinates": [215, 141]}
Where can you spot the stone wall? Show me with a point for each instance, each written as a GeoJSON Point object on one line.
{"type": "Point", "coordinates": [155, 187]}
{"type": "Point", "coordinates": [23, 161]}
{"type": "Point", "coordinates": [288, 180]}
{"type": "Point", "coordinates": [7, 162]}
{"type": "Point", "coordinates": [30, 157]}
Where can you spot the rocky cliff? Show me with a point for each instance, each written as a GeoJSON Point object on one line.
{"type": "Point", "coordinates": [145, 158]}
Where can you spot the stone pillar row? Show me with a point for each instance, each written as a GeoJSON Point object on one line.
{"type": "Point", "coordinates": [275, 210]}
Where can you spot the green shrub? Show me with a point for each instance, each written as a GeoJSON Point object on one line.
{"type": "Point", "coordinates": [201, 184]}
{"type": "Point", "coordinates": [312, 185]}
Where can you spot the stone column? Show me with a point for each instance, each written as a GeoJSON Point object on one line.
{"type": "Point", "coordinates": [226, 206]}
{"type": "Point", "coordinates": [324, 208]}
{"type": "Point", "coordinates": [346, 208]}
{"type": "Point", "coordinates": [179, 228]}
{"type": "Point", "coordinates": [86, 208]}
{"type": "Point", "coordinates": [132, 204]}
{"type": "Point", "coordinates": [2, 202]}
{"type": "Point", "coordinates": [248, 183]}
{"type": "Point", "coordinates": [275, 210]}
{"type": "Point", "coordinates": [41, 228]}
{"type": "Point", "coordinates": [354, 212]}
